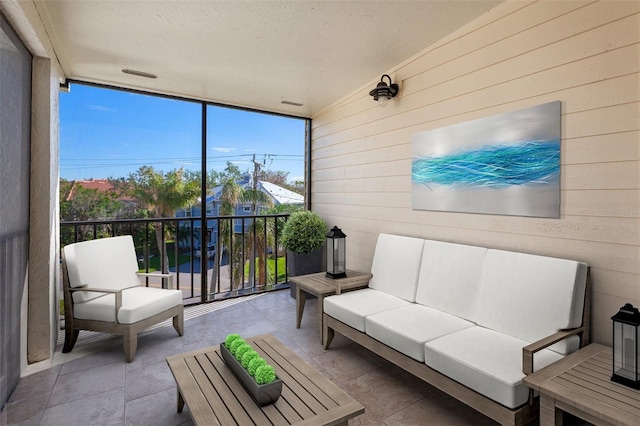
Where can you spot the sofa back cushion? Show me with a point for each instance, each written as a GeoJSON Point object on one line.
{"type": "Point", "coordinates": [450, 277]}
{"type": "Point", "coordinates": [396, 265]}
{"type": "Point", "coordinates": [109, 263]}
{"type": "Point", "coordinates": [531, 297]}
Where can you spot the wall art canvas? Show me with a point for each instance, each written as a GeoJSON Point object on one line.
{"type": "Point", "coordinates": [506, 164]}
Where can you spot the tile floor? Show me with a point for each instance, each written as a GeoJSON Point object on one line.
{"type": "Point", "coordinates": [93, 385]}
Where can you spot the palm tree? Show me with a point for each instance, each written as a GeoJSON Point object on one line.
{"type": "Point", "coordinates": [232, 195]}
{"type": "Point", "coordinates": [162, 194]}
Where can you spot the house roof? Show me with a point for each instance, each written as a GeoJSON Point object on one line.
{"type": "Point", "coordinates": [278, 194]}
{"type": "Point", "coordinates": [102, 185]}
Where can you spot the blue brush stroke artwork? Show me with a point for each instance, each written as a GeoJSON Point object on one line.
{"type": "Point", "coordinates": [506, 164]}
{"type": "Point", "coordinates": [493, 166]}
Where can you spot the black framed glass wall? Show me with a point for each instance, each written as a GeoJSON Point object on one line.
{"type": "Point", "coordinates": [122, 150]}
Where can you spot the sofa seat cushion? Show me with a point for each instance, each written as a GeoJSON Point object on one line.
{"type": "Point", "coordinates": [407, 329]}
{"type": "Point", "coordinates": [138, 303]}
{"type": "Point", "coordinates": [353, 307]}
{"type": "Point", "coordinates": [486, 361]}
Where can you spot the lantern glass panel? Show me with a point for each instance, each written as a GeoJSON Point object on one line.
{"type": "Point", "coordinates": [625, 352]}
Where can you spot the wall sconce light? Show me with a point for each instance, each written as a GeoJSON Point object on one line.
{"type": "Point", "coordinates": [626, 347]}
{"type": "Point", "coordinates": [383, 92]}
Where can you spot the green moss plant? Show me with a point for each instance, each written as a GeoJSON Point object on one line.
{"type": "Point", "coordinates": [230, 338]}
{"type": "Point", "coordinates": [241, 350]}
{"type": "Point", "coordinates": [235, 345]}
{"type": "Point", "coordinates": [265, 374]}
{"type": "Point", "coordinates": [247, 357]}
{"type": "Point", "coordinates": [254, 364]}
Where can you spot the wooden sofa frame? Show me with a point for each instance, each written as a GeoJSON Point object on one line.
{"type": "Point", "coordinates": [496, 411]}
{"type": "Point", "coordinates": [72, 326]}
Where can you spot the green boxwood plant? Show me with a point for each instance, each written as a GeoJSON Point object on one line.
{"type": "Point", "coordinates": [262, 372]}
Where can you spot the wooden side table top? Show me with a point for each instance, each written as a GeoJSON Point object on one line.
{"type": "Point", "coordinates": [216, 397]}
{"type": "Point", "coordinates": [581, 385]}
{"type": "Point", "coordinates": [320, 285]}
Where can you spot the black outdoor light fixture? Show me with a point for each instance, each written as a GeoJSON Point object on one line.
{"type": "Point", "coordinates": [336, 254]}
{"type": "Point", "coordinates": [626, 347]}
{"type": "Point", "coordinates": [383, 92]}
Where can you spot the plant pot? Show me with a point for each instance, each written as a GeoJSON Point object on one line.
{"type": "Point", "coordinates": [303, 264]}
{"type": "Point", "coordinates": [261, 394]}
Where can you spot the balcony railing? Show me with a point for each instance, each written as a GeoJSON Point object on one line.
{"type": "Point", "coordinates": [237, 255]}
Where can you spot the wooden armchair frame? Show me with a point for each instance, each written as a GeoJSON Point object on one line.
{"type": "Point", "coordinates": [129, 332]}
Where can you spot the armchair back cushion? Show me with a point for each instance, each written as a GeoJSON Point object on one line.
{"type": "Point", "coordinates": [396, 265]}
{"type": "Point", "coordinates": [109, 263]}
{"type": "Point", "coordinates": [531, 297]}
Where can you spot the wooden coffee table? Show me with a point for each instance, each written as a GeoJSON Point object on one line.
{"type": "Point", "coordinates": [581, 384]}
{"type": "Point", "coordinates": [321, 286]}
{"type": "Point", "coordinates": [215, 397]}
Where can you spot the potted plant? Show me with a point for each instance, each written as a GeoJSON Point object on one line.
{"type": "Point", "coordinates": [303, 236]}
{"type": "Point", "coordinates": [255, 374]}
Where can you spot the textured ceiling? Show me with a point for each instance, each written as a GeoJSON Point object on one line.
{"type": "Point", "coordinates": [247, 53]}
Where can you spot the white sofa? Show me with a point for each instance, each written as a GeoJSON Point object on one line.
{"type": "Point", "coordinates": [466, 319]}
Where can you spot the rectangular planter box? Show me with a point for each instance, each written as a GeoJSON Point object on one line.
{"type": "Point", "coordinates": [261, 394]}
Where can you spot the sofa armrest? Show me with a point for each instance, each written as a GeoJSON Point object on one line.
{"type": "Point", "coordinates": [169, 277]}
{"type": "Point", "coordinates": [529, 350]}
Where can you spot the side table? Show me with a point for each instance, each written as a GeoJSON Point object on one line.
{"type": "Point", "coordinates": [321, 286]}
{"type": "Point", "coordinates": [580, 384]}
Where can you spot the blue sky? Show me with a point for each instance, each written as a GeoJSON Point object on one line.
{"type": "Point", "coordinates": [110, 133]}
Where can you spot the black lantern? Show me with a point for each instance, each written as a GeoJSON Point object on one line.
{"type": "Point", "coordinates": [336, 254]}
{"type": "Point", "coordinates": [626, 347]}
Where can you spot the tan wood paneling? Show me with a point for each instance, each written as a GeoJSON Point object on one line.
{"type": "Point", "coordinates": [583, 53]}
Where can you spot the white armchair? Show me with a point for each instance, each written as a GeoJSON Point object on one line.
{"type": "Point", "coordinates": [102, 292]}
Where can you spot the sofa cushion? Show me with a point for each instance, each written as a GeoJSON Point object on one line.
{"type": "Point", "coordinates": [353, 307]}
{"type": "Point", "coordinates": [449, 277]}
{"type": "Point", "coordinates": [486, 361]}
{"type": "Point", "coordinates": [396, 265]}
{"type": "Point", "coordinates": [138, 303]}
{"type": "Point", "coordinates": [531, 297]}
{"type": "Point", "coordinates": [86, 266]}
{"type": "Point", "coordinates": [406, 329]}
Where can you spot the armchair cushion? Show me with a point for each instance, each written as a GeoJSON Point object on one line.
{"type": "Point", "coordinates": [138, 303]}
{"type": "Point", "coordinates": [109, 263]}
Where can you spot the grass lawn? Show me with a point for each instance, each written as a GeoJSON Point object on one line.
{"type": "Point", "coordinates": [154, 262]}
{"type": "Point", "coordinates": [271, 265]}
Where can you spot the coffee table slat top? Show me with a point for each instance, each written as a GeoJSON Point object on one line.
{"type": "Point", "coordinates": [215, 396]}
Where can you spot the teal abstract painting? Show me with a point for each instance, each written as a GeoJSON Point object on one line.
{"type": "Point", "coordinates": [506, 164]}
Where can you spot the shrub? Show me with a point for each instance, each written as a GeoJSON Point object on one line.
{"type": "Point", "coordinates": [304, 232]}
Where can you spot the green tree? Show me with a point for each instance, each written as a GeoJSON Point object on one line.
{"type": "Point", "coordinates": [162, 194]}
{"type": "Point", "coordinates": [78, 203]}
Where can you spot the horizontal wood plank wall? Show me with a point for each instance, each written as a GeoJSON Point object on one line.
{"type": "Point", "coordinates": [520, 54]}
